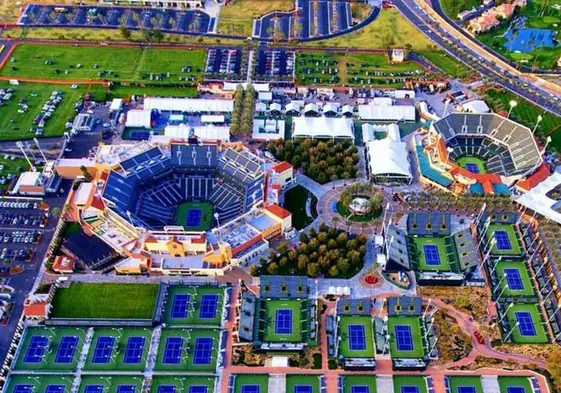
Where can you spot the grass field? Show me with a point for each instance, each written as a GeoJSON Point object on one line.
{"type": "Point", "coordinates": [272, 306]}
{"type": "Point", "coordinates": [457, 382]}
{"type": "Point", "coordinates": [453, 7]}
{"type": "Point", "coordinates": [110, 383]}
{"type": "Point", "coordinates": [513, 239]}
{"type": "Point", "coordinates": [206, 210]}
{"type": "Point", "coordinates": [295, 202]}
{"type": "Point", "coordinates": [540, 337]}
{"type": "Point", "coordinates": [414, 323]}
{"type": "Point", "coordinates": [447, 64]}
{"type": "Point", "coordinates": [186, 362]}
{"type": "Point", "coordinates": [179, 382]}
{"type": "Point", "coordinates": [48, 362]}
{"type": "Point", "coordinates": [302, 380]}
{"type": "Point", "coordinates": [39, 384]}
{"type": "Point", "coordinates": [345, 349]}
{"type": "Point", "coordinates": [359, 380]}
{"type": "Point", "coordinates": [437, 241]}
{"type": "Point", "coordinates": [116, 361]}
{"type": "Point", "coordinates": [509, 382]}
{"type": "Point", "coordinates": [262, 380]}
{"type": "Point", "coordinates": [528, 289]}
{"type": "Point", "coordinates": [194, 317]}
{"type": "Point", "coordinates": [16, 125]}
{"type": "Point", "coordinates": [473, 160]}
{"type": "Point", "coordinates": [115, 64]}
{"type": "Point", "coordinates": [401, 381]}
{"type": "Point", "coordinates": [105, 301]}
{"type": "Point", "coordinates": [237, 17]}
{"type": "Point", "coordinates": [13, 167]}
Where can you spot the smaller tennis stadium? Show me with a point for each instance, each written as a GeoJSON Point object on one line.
{"type": "Point", "coordinates": [433, 254]}
{"type": "Point", "coordinates": [524, 324]}
{"type": "Point", "coordinates": [411, 384]}
{"type": "Point", "coordinates": [506, 240]}
{"type": "Point", "coordinates": [283, 320]}
{"type": "Point", "coordinates": [463, 384]}
{"type": "Point", "coordinates": [511, 279]}
{"type": "Point", "coordinates": [194, 305]}
{"type": "Point", "coordinates": [406, 340]}
{"type": "Point", "coordinates": [263, 383]}
{"type": "Point", "coordinates": [356, 336]}
{"type": "Point", "coordinates": [357, 383]}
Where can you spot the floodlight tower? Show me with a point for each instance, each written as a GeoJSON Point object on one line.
{"type": "Point", "coordinates": [506, 311]}
{"type": "Point", "coordinates": [40, 150]}
{"type": "Point", "coordinates": [512, 330]}
{"type": "Point", "coordinates": [20, 146]}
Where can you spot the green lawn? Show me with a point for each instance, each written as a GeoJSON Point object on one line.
{"type": "Point", "coordinates": [194, 307]}
{"type": "Point", "coordinates": [509, 382]}
{"type": "Point", "coordinates": [262, 380]}
{"type": "Point", "coordinates": [528, 289]}
{"type": "Point", "coordinates": [440, 243]}
{"type": "Point", "coordinates": [359, 380]}
{"type": "Point", "coordinates": [110, 383]}
{"type": "Point", "coordinates": [186, 361]}
{"type": "Point", "coordinates": [105, 301]}
{"type": "Point", "coordinates": [178, 382]}
{"type": "Point", "coordinates": [345, 342]}
{"type": "Point", "coordinates": [271, 307]}
{"type": "Point", "coordinates": [401, 381]}
{"type": "Point", "coordinates": [205, 222]}
{"type": "Point", "coordinates": [302, 380]}
{"type": "Point", "coordinates": [453, 7]}
{"type": "Point", "coordinates": [414, 323]}
{"type": "Point", "coordinates": [118, 359]}
{"type": "Point", "coordinates": [12, 167]}
{"type": "Point", "coordinates": [237, 17]}
{"type": "Point", "coordinates": [48, 362]}
{"type": "Point", "coordinates": [447, 64]}
{"type": "Point", "coordinates": [481, 163]}
{"type": "Point", "coordinates": [39, 383]}
{"type": "Point", "coordinates": [295, 202]}
{"type": "Point", "coordinates": [457, 382]}
{"type": "Point", "coordinates": [118, 91]}
{"type": "Point", "coordinates": [115, 64]}
{"type": "Point", "coordinates": [15, 126]}
{"type": "Point", "coordinates": [513, 239]}
{"type": "Point", "coordinates": [540, 337]}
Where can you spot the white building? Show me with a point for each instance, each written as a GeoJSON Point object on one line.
{"type": "Point", "coordinates": [538, 198]}
{"type": "Point", "coordinates": [395, 113]}
{"type": "Point", "coordinates": [199, 105]}
{"type": "Point", "coordinates": [268, 130]}
{"type": "Point", "coordinates": [475, 106]}
{"type": "Point", "coordinates": [176, 4]}
{"type": "Point", "coordinates": [387, 159]}
{"type": "Point", "coordinates": [138, 118]}
{"type": "Point", "coordinates": [322, 128]}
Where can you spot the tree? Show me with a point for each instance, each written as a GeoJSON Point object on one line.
{"type": "Point", "coordinates": [125, 33]}
{"type": "Point", "coordinates": [273, 268]}
{"type": "Point", "coordinates": [333, 272]}
{"type": "Point", "coordinates": [85, 173]}
{"type": "Point", "coordinates": [56, 211]}
{"type": "Point", "coordinates": [554, 366]}
{"type": "Point", "coordinates": [313, 270]}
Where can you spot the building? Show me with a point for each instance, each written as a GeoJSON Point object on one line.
{"type": "Point", "coordinates": [188, 105]}
{"type": "Point", "coordinates": [388, 159]}
{"type": "Point", "coordinates": [393, 113]}
{"type": "Point", "coordinates": [544, 199]}
{"type": "Point", "coordinates": [398, 55]}
{"type": "Point", "coordinates": [138, 118]}
{"type": "Point", "coordinates": [282, 174]}
{"type": "Point", "coordinates": [63, 264]}
{"type": "Point", "coordinates": [475, 106]}
{"type": "Point", "coordinates": [268, 129]}
{"type": "Point", "coordinates": [84, 122]}
{"type": "Point", "coordinates": [176, 4]}
{"type": "Point", "coordinates": [322, 128]}
{"type": "Point", "coordinates": [493, 16]}
{"type": "Point", "coordinates": [30, 184]}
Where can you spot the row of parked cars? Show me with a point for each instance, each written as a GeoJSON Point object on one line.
{"type": "Point", "coordinates": [19, 205]}
{"type": "Point", "coordinates": [20, 237]}
{"type": "Point", "coordinates": [23, 254]}
{"type": "Point", "coordinates": [21, 219]}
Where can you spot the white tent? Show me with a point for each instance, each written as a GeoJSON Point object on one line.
{"type": "Point", "coordinates": [387, 113]}
{"type": "Point", "coordinates": [323, 128]}
{"type": "Point", "coordinates": [388, 157]}
{"type": "Point", "coordinates": [138, 118]}
{"type": "Point", "coordinates": [188, 105]}
{"type": "Point", "coordinates": [537, 198]}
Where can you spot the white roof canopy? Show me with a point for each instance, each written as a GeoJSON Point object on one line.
{"type": "Point", "coordinates": [388, 156]}
{"type": "Point", "coordinates": [537, 200]}
{"type": "Point", "coordinates": [387, 113]}
{"type": "Point", "coordinates": [188, 105]}
{"type": "Point", "coordinates": [323, 127]}
{"type": "Point", "coordinates": [138, 118]}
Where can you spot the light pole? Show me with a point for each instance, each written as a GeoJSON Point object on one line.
{"type": "Point", "coordinates": [512, 330]}
{"type": "Point", "coordinates": [537, 123]}
{"type": "Point", "coordinates": [552, 315]}
{"type": "Point", "coordinates": [494, 267]}
{"type": "Point", "coordinates": [502, 291]}
{"type": "Point", "coordinates": [499, 283]}
{"type": "Point", "coordinates": [506, 311]}
{"type": "Point", "coordinates": [512, 105]}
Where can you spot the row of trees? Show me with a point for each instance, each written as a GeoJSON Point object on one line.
{"type": "Point", "coordinates": [322, 161]}
{"type": "Point", "coordinates": [327, 252]}
{"type": "Point", "coordinates": [244, 108]}
{"type": "Point", "coordinates": [364, 189]}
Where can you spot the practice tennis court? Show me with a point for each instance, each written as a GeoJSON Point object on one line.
{"type": "Point", "coordinates": [208, 306]}
{"type": "Point", "coordinates": [182, 384]}
{"type": "Point", "coordinates": [530, 327]}
{"type": "Point", "coordinates": [506, 239]}
{"type": "Point", "coordinates": [194, 305]}
{"type": "Point", "coordinates": [356, 336]}
{"type": "Point", "coordinates": [203, 350]}
{"type": "Point", "coordinates": [188, 350]}
{"type": "Point", "coordinates": [134, 350]}
{"type": "Point", "coordinates": [516, 283]}
{"type": "Point", "coordinates": [179, 306]}
{"type": "Point", "coordinates": [405, 337]}
{"type": "Point", "coordinates": [66, 349]}
{"type": "Point", "coordinates": [36, 349]}
{"type": "Point", "coordinates": [173, 350]}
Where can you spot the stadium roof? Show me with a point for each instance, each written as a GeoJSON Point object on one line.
{"type": "Point", "coordinates": [537, 198]}
{"type": "Point", "coordinates": [475, 106]}
{"type": "Point", "coordinates": [188, 105]}
{"type": "Point", "coordinates": [387, 112]}
{"type": "Point", "coordinates": [388, 156]}
{"type": "Point", "coordinates": [323, 127]}
{"type": "Point", "coordinates": [138, 118]}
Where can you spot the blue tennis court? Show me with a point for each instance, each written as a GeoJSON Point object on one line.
{"type": "Point", "coordinates": [55, 388]}
{"type": "Point", "coordinates": [357, 337]}
{"type": "Point", "coordinates": [66, 349]}
{"type": "Point", "coordinates": [409, 389]}
{"type": "Point", "coordinates": [36, 349]}
{"type": "Point", "coordinates": [134, 350]}
{"type": "Point", "coordinates": [515, 389]}
{"type": "Point", "coordinates": [513, 279]}
{"type": "Point", "coordinates": [360, 389]}
{"type": "Point", "coordinates": [126, 389]}
{"type": "Point", "coordinates": [503, 242]}
{"type": "Point", "coordinates": [166, 389]}
{"type": "Point", "coordinates": [403, 337]}
{"type": "Point", "coordinates": [194, 217]}
{"type": "Point", "coordinates": [283, 322]}
{"type": "Point", "coordinates": [208, 306]}
{"type": "Point", "coordinates": [250, 389]}
{"type": "Point", "coordinates": [93, 389]}
{"type": "Point", "coordinates": [172, 350]}
{"type": "Point", "coordinates": [203, 350]}
{"type": "Point", "coordinates": [198, 389]}
{"type": "Point", "coordinates": [526, 324]}
{"type": "Point", "coordinates": [471, 167]}
{"type": "Point", "coordinates": [302, 389]}
{"type": "Point", "coordinates": [431, 254]}
{"type": "Point", "coordinates": [23, 388]}
{"type": "Point", "coordinates": [179, 306]}
{"type": "Point", "coordinates": [103, 350]}
{"type": "Point", "coordinates": [466, 389]}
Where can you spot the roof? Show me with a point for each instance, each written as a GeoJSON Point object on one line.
{"type": "Point", "coordinates": [278, 211]}
{"type": "Point", "coordinates": [475, 106]}
{"type": "Point", "coordinates": [535, 178]}
{"type": "Point", "coordinates": [323, 127]}
{"type": "Point", "coordinates": [188, 104]}
{"type": "Point", "coordinates": [537, 198]}
{"type": "Point", "coordinates": [83, 193]}
{"type": "Point", "coordinates": [281, 167]}
{"type": "Point", "coordinates": [388, 156]}
{"type": "Point", "coordinates": [35, 308]}
{"type": "Point", "coordinates": [138, 118]}
{"type": "Point", "coordinates": [63, 263]}
{"type": "Point", "coordinates": [386, 112]}
{"type": "Point", "coordinates": [232, 86]}
{"type": "Point", "coordinates": [116, 104]}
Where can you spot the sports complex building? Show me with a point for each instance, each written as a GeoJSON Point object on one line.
{"type": "Point", "coordinates": [477, 153]}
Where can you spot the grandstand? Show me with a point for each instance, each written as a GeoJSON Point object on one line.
{"type": "Point", "coordinates": [147, 188]}
{"type": "Point", "coordinates": [480, 153]}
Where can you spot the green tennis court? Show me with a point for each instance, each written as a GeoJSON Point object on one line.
{"type": "Point", "coordinates": [515, 382]}
{"type": "Point", "coordinates": [110, 383]}
{"type": "Point", "coordinates": [432, 254]}
{"type": "Point", "coordinates": [461, 384]}
{"type": "Point", "coordinates": [283, 321]}
{"type": "Point", "coordinates": [194, 216]}
{"type": "Point", "coordinates": [37, 383]}
{"type": "Point", "coordinates": [507, 243]}
{"type": "Point", "coordinates": [299, 383]}
{"type": "Point", "coordinates": [178, 383]}
{"type": "Point", "coordinates": [356, 337]}
{"type": "Point", "coordinates": [402, 382]}
{"type": "Point", "coordinates": [354, 381]}
{"type": "Point", "coordinates": [473, 164]}
{"type": "Point", "coordinates": [241, 380]}
{"type": "Point", "coordinates": [517, 282]}
{"type": "Point", "coordinates": [195, 305]}
{"type": "Point", "coordinates": [531, 328]}
{"type": "Point", "coordinates": [406, 339]}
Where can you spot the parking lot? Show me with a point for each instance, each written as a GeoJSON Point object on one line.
{"type": "Point", "coordinates": [224, 63]}
{"type": "Point", "coordinates": [275, 65]}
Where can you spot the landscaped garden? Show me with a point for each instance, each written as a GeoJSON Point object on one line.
{"type": "Point", "coordinates": [360, 202]}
